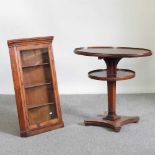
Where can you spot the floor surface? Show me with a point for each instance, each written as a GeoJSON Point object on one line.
{"type": "Point", "coordinates": [76, 139]}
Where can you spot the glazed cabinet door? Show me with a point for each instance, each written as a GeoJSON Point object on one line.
{"type": "Point", "coordinates": [38, 86]}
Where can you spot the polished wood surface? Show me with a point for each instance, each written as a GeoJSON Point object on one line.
{"type": "Point", "coordinates": [121, 74]}
{"type": "Point", "coordinates": [35, 85]}
{"type": "Point", "coordinates": [117, 52]}
{"type": "Point", "coordinates": [111, 56]}
{"type": "Point", "coordinates": [114, 124]}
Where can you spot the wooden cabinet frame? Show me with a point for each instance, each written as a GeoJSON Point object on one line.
{"type": "Point", "coordinates": [34, 118]}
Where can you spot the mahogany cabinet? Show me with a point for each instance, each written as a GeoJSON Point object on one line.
{"type": "Point", "coordinates": [35, 85]}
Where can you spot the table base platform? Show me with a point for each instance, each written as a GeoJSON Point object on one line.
{"type": "Point", "coordinates": [113, 124]}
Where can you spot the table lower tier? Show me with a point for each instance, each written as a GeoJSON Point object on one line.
{"type": "Point", "coordinates": [111, 120]}
{"type": "Point", "coordinates": [113, 124]}
{"type": "Point", "coordinates": [121, 74]}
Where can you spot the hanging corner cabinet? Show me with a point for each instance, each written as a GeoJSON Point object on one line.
{"type": "Point", "coordinates": [35, 85]}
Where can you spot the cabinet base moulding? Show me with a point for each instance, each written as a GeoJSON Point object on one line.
{"type": "Point", "coordinates": [41, 130]}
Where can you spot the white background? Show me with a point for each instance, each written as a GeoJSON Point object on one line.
{"type": "Point", "coordinates": [76, 23]}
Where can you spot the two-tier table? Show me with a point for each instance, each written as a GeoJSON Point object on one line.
{"type": "Point", "coordinates": [111, 56]}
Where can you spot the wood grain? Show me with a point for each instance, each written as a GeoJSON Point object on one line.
{"type": "Point", "coordinates": [35, 84]}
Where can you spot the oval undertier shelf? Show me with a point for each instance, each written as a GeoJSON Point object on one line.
{"type": "Point", "coordinates": [101, 74]}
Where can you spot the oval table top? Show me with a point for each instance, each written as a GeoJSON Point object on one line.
{"type": "Point", "coordinates": [113, 52]}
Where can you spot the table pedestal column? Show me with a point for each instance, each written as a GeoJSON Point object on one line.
{"type": "Point", "coordinates": [111, 119]}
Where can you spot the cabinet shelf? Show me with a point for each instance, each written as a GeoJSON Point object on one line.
{"type": "Point", "coordinates": [38, 85]}
{"type": "Point", "coordinates": [39, 105]}
{"type": "Point", "coordinates": [121, 74]}
{"type": "Point", "coordinates": [29, 66]}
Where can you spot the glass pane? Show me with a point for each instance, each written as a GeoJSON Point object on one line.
{"type": "Point", "coordinates": [41, 114]}
{"type": "Point", "coordinates": [39, 95]}
{"type": "Point", "coordinates": [38, 85]}
{"type": "Point", "coordinates": [34, 56]}
{"type": "Point", "coordinates": [36, 75]}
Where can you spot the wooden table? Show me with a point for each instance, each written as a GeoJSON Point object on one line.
{"type": "Point", "coordinates": [111, 56]}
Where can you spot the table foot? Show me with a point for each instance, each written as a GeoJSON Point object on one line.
{"type": "Point", "coordinates": [113, 124]}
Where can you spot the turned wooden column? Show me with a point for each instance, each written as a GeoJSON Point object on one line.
{"type": "Point", "coordinates": [111, 87]}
